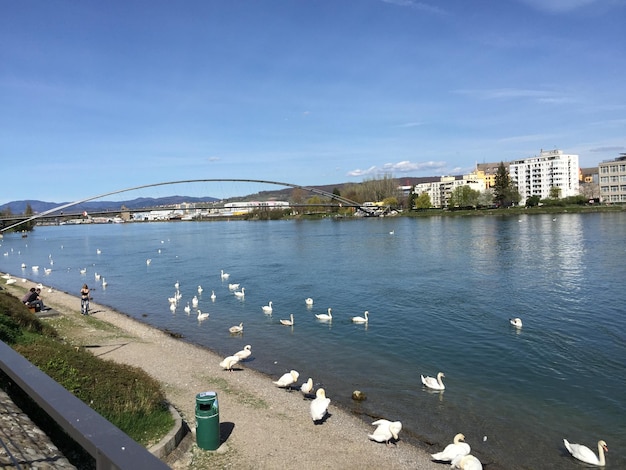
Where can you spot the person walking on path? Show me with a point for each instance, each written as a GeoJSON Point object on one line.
{"type": "Point", "coordinates": [84, 300]}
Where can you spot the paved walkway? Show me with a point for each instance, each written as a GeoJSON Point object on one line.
{"type": "Point", "coordinates": [22, 443]}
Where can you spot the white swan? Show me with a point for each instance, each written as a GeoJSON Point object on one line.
{"type": "Point", "coordinates": [233, 286]}
{"type": "Point", "coordinates": [172, 300]}
{"type": "Point", "coordinates": [361, 319]}
{"type": "Point", "coordinates": [104, 282]}
{"type": "Point", "coordinates": [98, 251]}
{"type": "Point", "coordinates": [47, 270]}
{"type": "Point", "coordinates": [466, 462]}
{"type": "Point", "coordinates": [385, 430]}
{"type": "Point", "coordinates": [212, 296]}
{"type": "Point", "coordinates": [199, 289]}
{"type": "Point", "coordinates": [194, 302]}
{"type": "Point", "coordinates": [267, 308]}
{"type": "Point", "coordinates": [308, 301]}
{"type": "Point", "coordinates": [452, 450]}
{"type": "Point", "coordinates": [229, 362]}
{"type": "Point", "coordinates": [148, 261]}
{"type": "Point", "coordinates": [202, 316]}
{"type": "Point", "coordinates": [176, 285]}
{"type": "Point", "coordinates": [236, 328]}
{"type": "Point", "coordinates": [286, 380]}
{"type": "Point", "coordinates": [173, 307]}
{"type": "Point", "coordinates": [240, 294]}
{"type": "Point", "coordinates": [244, 353]}
{"type": "Point", "coordinates": [187, 308]}
{"type": "Point", "coordinates": [585, 454]}
{"type": "Point", "coordinates": [287, 322]}
{"type": "Point", "coordinates": [516, 322]}
{"type": "Point", "coordinates": [324, 316]}
{"type": "Point", "coordinates": [434, 383]}
{"type": "Point", "coordinates": [319, 405]}
{"type": "Point", "coordinates": [224, 275]}
{"type": "Point", "coordinates": [307, 387]}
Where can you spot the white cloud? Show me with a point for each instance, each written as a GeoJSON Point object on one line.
{"type": "Point", "coordinates": [404, 166]}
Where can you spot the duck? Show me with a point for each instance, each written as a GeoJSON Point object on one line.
{"type": "Point", "coordinates": [585, 454]}
{"type": "Point", "coordinates": [361, 319]}
{"type": "Point", "coordinates": [307, 387]}
{"type": "Point", "coordinates": [236, 328]}
{"type": "Point", "coordinates": [287, 322]}
{"type": "Point", "coordinates": [385, 430]}
{"type": "Point", "coordinates": [194, 302]}
{"type": "Point", "coordinates": [286, 380]}
{"type": "Point", "coordinates": [434, 383]}
{"type": "Point", "coordinates": [452, 450]}
{"type": "Point", "coordinates": [244, 353]}
{"type": "Point", "coordinates": [224, 275]}
{"type": "Point", "coordinates": [319, 405]}
{"type": "Point", "coordinates": [241, 293]}
{"type": "Point", "coordinates": [466, 462]}
{"type": "Point", "coordinates": [202, 316]}
{"type": "Point", "coordinates": [229, 362]}
{"type": "Point", "coordinates": [233, 286]}
{"type": "Point", "coordinates": [324, 316]}
{"type": "Point", "coordinates": [212, 296]}
{"type": "Point", "coordinates": [267, 308]}
{"type": "Point", "coordinates": [308, 301]}
{"type": "Point", "coordinates": [200, 289]}
{"type": "Point", "coordinates": [516, 322]}
{"type": "Point", "coordinates": [187, 308]}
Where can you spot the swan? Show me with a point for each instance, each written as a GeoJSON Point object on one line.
{"type": "Point", "coordinates": [96, 276]}
{"type": "Point", "coordinates": [516, 322]}
{"type": "Point", "coordinates": [47, 270]}
{"type": "Point", "coordinates": [233, 286]}
{"type": "Point", "coordinates": [466, 462]}
{"type": "Point", "coordinates": [435, 384]}
{"type": "Point", "coordinates": [307, 387]}
{"type": "Point", "coordinates": [287, 322]}
{"type": "Point", "coordinates": [173, 307]}
{"type": "Point", "coordinates": [148, 261]}
{"type": "Point", "coordinates": [98, 251]}
{"type": "Point", "coordinates": [385, 430]}
{"type": "Point", "coordinates": [229, 362]}
{"type": "Point", "coordinates": [82, 271]}
{"type": "Point", "coordinates": [452, 450]}
{"type": "Point", "coordinates": [241, 293]}
{"type": "Point", "coordinates": [585, 454]}
{"type": "Point", "coordinates": [244, 353]}
{"type": "Point", "coordinates": [286, 380]}
{"type": "Point", "coordinates": [308, 301]}
{"type": "Point", "coordinates": [23, 265]}
{"type": "Point", "coordinates": [361, 319]}
{"type": "Point", "coordinates": [199, 289]}
{"type": "Point", "coordinates": [194, 302]}
{"type": "Point", "coordinates": [172, 300]}
{"type": "Point", "coordinates": [187, 308]}
{"type": "Point", "coordinates": [236, 328]}
{"type": "Point", "coordinates": [202, 316]}
{"type": "Point", "coordinates": [324, 316]}
{"type": "Point", "coordinates": [176, 285]}
{"type": "Point", "coordinates": [213, 296]}
{"type": "Point", "coordinates": [319, 405]}
{"type": "Point", "coordinates": [104, 282]}
{"type": "Point", "coordinates": [267, 308]}
{"type": "Point", "coordinates": [224, 275]}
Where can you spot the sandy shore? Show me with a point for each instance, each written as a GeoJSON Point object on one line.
{"type": "Point", "coordinates": [263, 427]}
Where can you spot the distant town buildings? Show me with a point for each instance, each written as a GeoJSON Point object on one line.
{"type": "Point", "coordinates": [612, 175]}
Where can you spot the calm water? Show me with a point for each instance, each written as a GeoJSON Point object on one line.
{"type": "Point", "coordinates": [440, 292]}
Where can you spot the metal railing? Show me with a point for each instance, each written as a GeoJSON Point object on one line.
{"type": "Point", "coordinates": [108, 445]}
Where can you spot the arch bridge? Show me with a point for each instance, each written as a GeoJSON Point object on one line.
{"type": "Point", "coordinates": [342, 201]}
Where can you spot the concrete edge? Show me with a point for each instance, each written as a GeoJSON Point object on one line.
{"type": "Point", "coordinates": [166, 445]}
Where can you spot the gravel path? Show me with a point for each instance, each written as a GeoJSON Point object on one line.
{"type": "Point", "coordinates": [262, 426]}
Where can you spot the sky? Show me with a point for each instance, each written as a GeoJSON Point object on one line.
{"type": "Point", "coordinates": [101, 96]}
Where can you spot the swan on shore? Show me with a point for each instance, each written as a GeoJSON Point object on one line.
{"type": "Point", "coordinates": [466, 462]}
{"type": "Point", "coordinates": [224, 275]}
{"type": "Point", "coordinates": [319, 405]}
{"type": "Point", "coordinates": [585, 454]}
{"type": "Point", "coordinates": [244, 353]}
{"type": "Point", "coordinates": [307, 387]}
{"type": "Point", "coordinates": [324, 316]}
{"type": "Point", "coordinates": [267, 308]}
{"type": "Point", "coordinates": [236, 328]}
{"type": "Point", "coordinates": [385, 430]}
{"type": "Point", "coordinates": [202, 316]}
{"type": "Point", "coordinates": [516, 322]}
{"type": "Point", "coordinates": [229, 362]}
{"type": "Point", "coordinates": [286, 380]}
{"type": "Point", "coordinates": [361, 319]}
{"type": "Point", "coordinates": [240, 294]}
{"type": "Point", "coordinates": [452, 450]}
{"type": "Point", "coordinates": [434, 383]}
{"type": "Point", "coordinates": [287, 322]}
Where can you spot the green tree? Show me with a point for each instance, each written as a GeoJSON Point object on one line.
{"type": "Point", "coordinates": [555, 192]}
{"type": "Point", "coordinates": [533, 201]}
{"type": "Point", "coordinates": [505, 192]}
{"type": "Point", "coordinates": [422, 201]}
{"type": "Point", "coordinates": [463, 196]}
{"type": "Point", "coordinates": [485, 199]}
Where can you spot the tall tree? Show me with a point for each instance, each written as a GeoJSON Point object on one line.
{"type": "Point", "coordinates": [504, 190]}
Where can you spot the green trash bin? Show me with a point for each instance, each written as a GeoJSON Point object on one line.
{"type": "Point", "coordinates": [207, 421]}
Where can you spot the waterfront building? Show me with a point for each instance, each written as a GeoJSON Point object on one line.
{"type": "Point", "coordinates": [440, 191]}
{"type": "Point", "coordinates": [490, 170]}
{"type": "Point", "coordinates": [538, 175]}
{"type": "Point", "coordinates": [612, 175]}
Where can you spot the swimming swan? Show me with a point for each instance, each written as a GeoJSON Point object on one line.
{"type": "Point", "coordinates": [267, 308]}
{"type": "Point", "coordinates": [287, 322]}
{"type": "Point", "coordinates": [361, 319]}
{"type": "Point", "coordinates": [224, 275]}
{"type": "Point", "coordinates": [452, 450]}
{"type": "Point", "coordinates": [585, 454]}
{"type": "Point", "coordinates": [516, 322]}
{"type": "Point", "coordinates": [213, 296]}
{"type": "Point", "coordinates": [240, 294]}
{"type": "Point", "coordinates": [435, 384]}
{"type": "Point", "coordinates": [324, 316]}
{"type": "Point", "coordinates": [202, 316]}
{"type": "Point", "coordinates": [308, 301]}
{"type": "Point", "coordinates": [319, 405]}
{"type": "Point", "coordinates": [385, 431]}
{"type": "Point", "coordinates": [233, 286]}
{"type": "Point", "coordinates": [236, 328]}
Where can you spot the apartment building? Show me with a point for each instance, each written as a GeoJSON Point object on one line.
{"type": "Point", "coordinates": [612, 175]}
{"type": "Point", "coordinates": [440, 191]}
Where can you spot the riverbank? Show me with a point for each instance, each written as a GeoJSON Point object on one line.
{"type": "Point", "coordinates": [262, 426]}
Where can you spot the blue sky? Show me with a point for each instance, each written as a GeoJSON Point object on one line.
{"type": "Point", "coordinates": [99, 96]}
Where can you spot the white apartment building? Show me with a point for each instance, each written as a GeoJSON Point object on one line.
{"type": "Point", "coordinates": [440, 191]}
{"type": "Point", "coordinates": [536, 176]}
{"type": "Point", "coordinates": [613, 179]}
